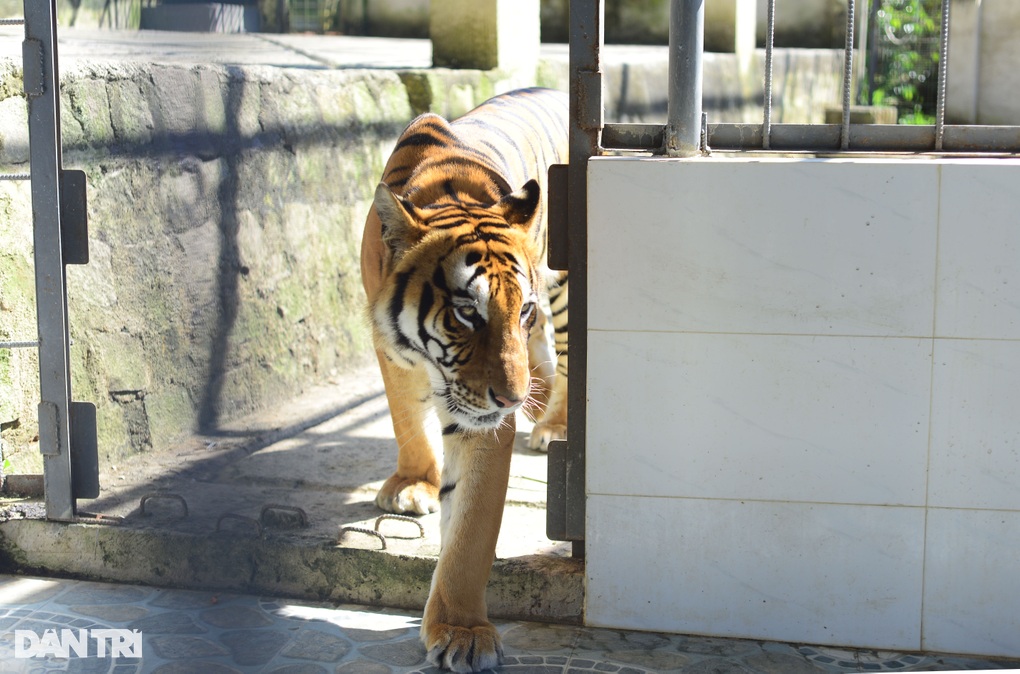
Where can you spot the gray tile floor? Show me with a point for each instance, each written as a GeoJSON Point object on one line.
{"type": "Point", "coordinates": [193, 632]}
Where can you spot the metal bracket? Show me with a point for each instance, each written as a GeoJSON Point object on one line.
{"type": "Point", "coordinates": [558, 216]}
{"type": "Point", "coordinates": [272, 514]}
{"type": "Point", "coordinates": [565, 500]}
{"type": "Point", "coordinates": [84, 451]}
{"type": "Point", "coordinates": [400, 518]}
{"type": "Point", "coordinates": [163, 496]}
{"type": "Point", "coordinates": [49, 436]}
{"type": "Point", "coordinates": [74, 225]}
{"type": "Point", "coordinates": [360, 530]}
{"type": "Point", "coordinates": [590, 114]}
{"type": "Point", "coordinates": [33, 65]}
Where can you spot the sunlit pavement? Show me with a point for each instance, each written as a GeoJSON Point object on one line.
{"type": "Point", "coordinates": [147, 629]}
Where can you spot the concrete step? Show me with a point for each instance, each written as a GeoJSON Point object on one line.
{"type": "Point", "coordinates": [258, 508]}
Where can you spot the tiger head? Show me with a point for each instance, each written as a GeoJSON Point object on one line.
{"type": "Point", "coordinates": [462, 299]}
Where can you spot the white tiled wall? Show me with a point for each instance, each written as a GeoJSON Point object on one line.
{"type": "Point", "coordinates": [803, 410]}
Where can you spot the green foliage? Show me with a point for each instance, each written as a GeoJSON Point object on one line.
{"type": "Point", "coordinates": [905, 49]}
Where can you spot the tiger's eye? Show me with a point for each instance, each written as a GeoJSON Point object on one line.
{"type": "Point", "coordinates": [466, 314]}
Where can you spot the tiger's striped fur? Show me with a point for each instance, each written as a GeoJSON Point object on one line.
{"type": "Point", "coordinates": [461, 302]}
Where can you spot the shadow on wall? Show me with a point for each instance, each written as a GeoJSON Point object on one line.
{"type": "Point", "coordinates": [229, 267]}
{"type": "Point", "coordinates": [226, 211]}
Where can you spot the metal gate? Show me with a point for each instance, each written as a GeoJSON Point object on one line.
{"type": "Point", "coordinates": [688, 133]}
{"type": "Point", "coordinates": [67, 429]}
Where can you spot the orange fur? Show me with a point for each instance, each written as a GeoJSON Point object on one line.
{"type": "Point", "coordinates": [454, 271]}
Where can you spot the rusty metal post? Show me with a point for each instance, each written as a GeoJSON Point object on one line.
{"type": "Point", "coordinates": [686, 49]}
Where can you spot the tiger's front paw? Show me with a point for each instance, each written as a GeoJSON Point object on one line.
{"type": "Point", "coordinates": [542, 434]}
{"type": "Point", "coordinates": [406, 495]}
{"type": "Point", "coordinates": [463, 649]}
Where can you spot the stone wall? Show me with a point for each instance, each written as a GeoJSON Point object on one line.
{"type": "Point", "coordinates": [225, 214]}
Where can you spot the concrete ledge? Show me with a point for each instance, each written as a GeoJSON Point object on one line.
{"type": "Point", "coordinates": [532, 588]}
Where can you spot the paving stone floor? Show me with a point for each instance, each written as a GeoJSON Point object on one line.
{"type": "Point", "coordinates": [194, 632]}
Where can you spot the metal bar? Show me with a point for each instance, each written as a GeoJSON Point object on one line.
{"type": "Point", "coordinates": [11, 22]}
{"type": "Point", "coordinates": [15, 176]}
{"type": "Point", "coordinates": [940, 112]}
{"type": "Point", "coordinates": [50, 277]}
{"type": "Point", "coordinates": [24, 344]}
{"type": "Point", "coordinates": [770, 40]}
{"type": "Point", "coordinates": [586, 121]}
{"type": "Point", "coordinates": [958, 139]}
{"type": "Point", "coordinates": [686, 47]}
{"type": "Point", "coordinates": [848, 75]}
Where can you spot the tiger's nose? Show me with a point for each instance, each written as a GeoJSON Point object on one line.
{"type": "Point", "coordinates": [503, 401]}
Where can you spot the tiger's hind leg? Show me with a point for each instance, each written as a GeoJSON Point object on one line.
{"type": "Point", "coordinates": [414, 487]}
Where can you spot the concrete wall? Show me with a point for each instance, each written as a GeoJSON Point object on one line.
{"type": "Point", "coordinates": [802, 401]}
{"type": "Point", "coordinates": [226, 207]}
{"type": "Point", "coordinates": [983, 74]}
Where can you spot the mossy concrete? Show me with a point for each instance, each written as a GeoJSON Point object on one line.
{"type": "Point", "coordinates": [533, 587]}
{"type": "Point", "coordinates": [225, 215]}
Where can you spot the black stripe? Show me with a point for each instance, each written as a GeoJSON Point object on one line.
{"type": "Point", "coordinates": [451, 430]}
{"type": "Point", "coordinates": [439, 279]}
{"type": "Point", "coordinates": [446, 489]}
{"type": "Point", "coordinates": [424, 306]}
{"type": "Point", "coordinates": [397, 306]}
{"type": "Point", "coordinates": [419, 140]}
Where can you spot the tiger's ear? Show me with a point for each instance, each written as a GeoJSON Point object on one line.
{"type": "Point", "coordinates": [401, 227]}
{"type": "Point", "coordinates": [520, 207]}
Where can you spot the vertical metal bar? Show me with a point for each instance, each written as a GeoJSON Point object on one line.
{"type": "Point", "coordinates": [862, 64]}
{"type": "Point", "coordinates": [50, 278]}
{"type": "Point", "coordinates": [586, 121]}
{"type": "Point", "coordinates": [686, 47]}
{"type": "Point", "coordinates": [940, 113]}
{"type": "Point", "coordinates": [848, 75]}
{"type": "Point", "coordinates": [770, 40]}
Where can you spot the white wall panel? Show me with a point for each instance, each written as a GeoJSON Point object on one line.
{"type": "Point", "coordinates": [971, 593]}
{"type": "Point", "coordinates": [805, 247]}
{"type": "Point", "coordinates": [975, 437]}
{"type": "Point", "coordinates": [802, 400]}
{"type": "Point", "coordinates": [737, 568]}
{"type": "Point", "coordinates": [979, 251]}
{"type": "Point", "coordinates": [783, 417]}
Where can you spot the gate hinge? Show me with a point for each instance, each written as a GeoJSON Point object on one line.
{"type": "Point", "coordinates": [74, 220]}
{"type": "Point", "coordinates": [558, 219]}
{"type": "Point", "coordinates": [565, 499]}
{"type": "Point", "coordinates": [32, 68]}
{"type": "Point", "coordinates": [84, 451]}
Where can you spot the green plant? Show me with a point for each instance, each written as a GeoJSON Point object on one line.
{"type": "Point", "coordinates": [904, 57]}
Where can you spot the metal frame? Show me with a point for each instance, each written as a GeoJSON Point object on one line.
{"type": "Point", "coordinates": [686, 133]}
{"type": "Point", "coordinates": [67, 430]}
{"type": "Point", "coordinates": [684, 115]}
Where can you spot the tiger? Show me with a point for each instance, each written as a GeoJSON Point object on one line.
{"type": "Point", "coordinates": [468, 320]}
